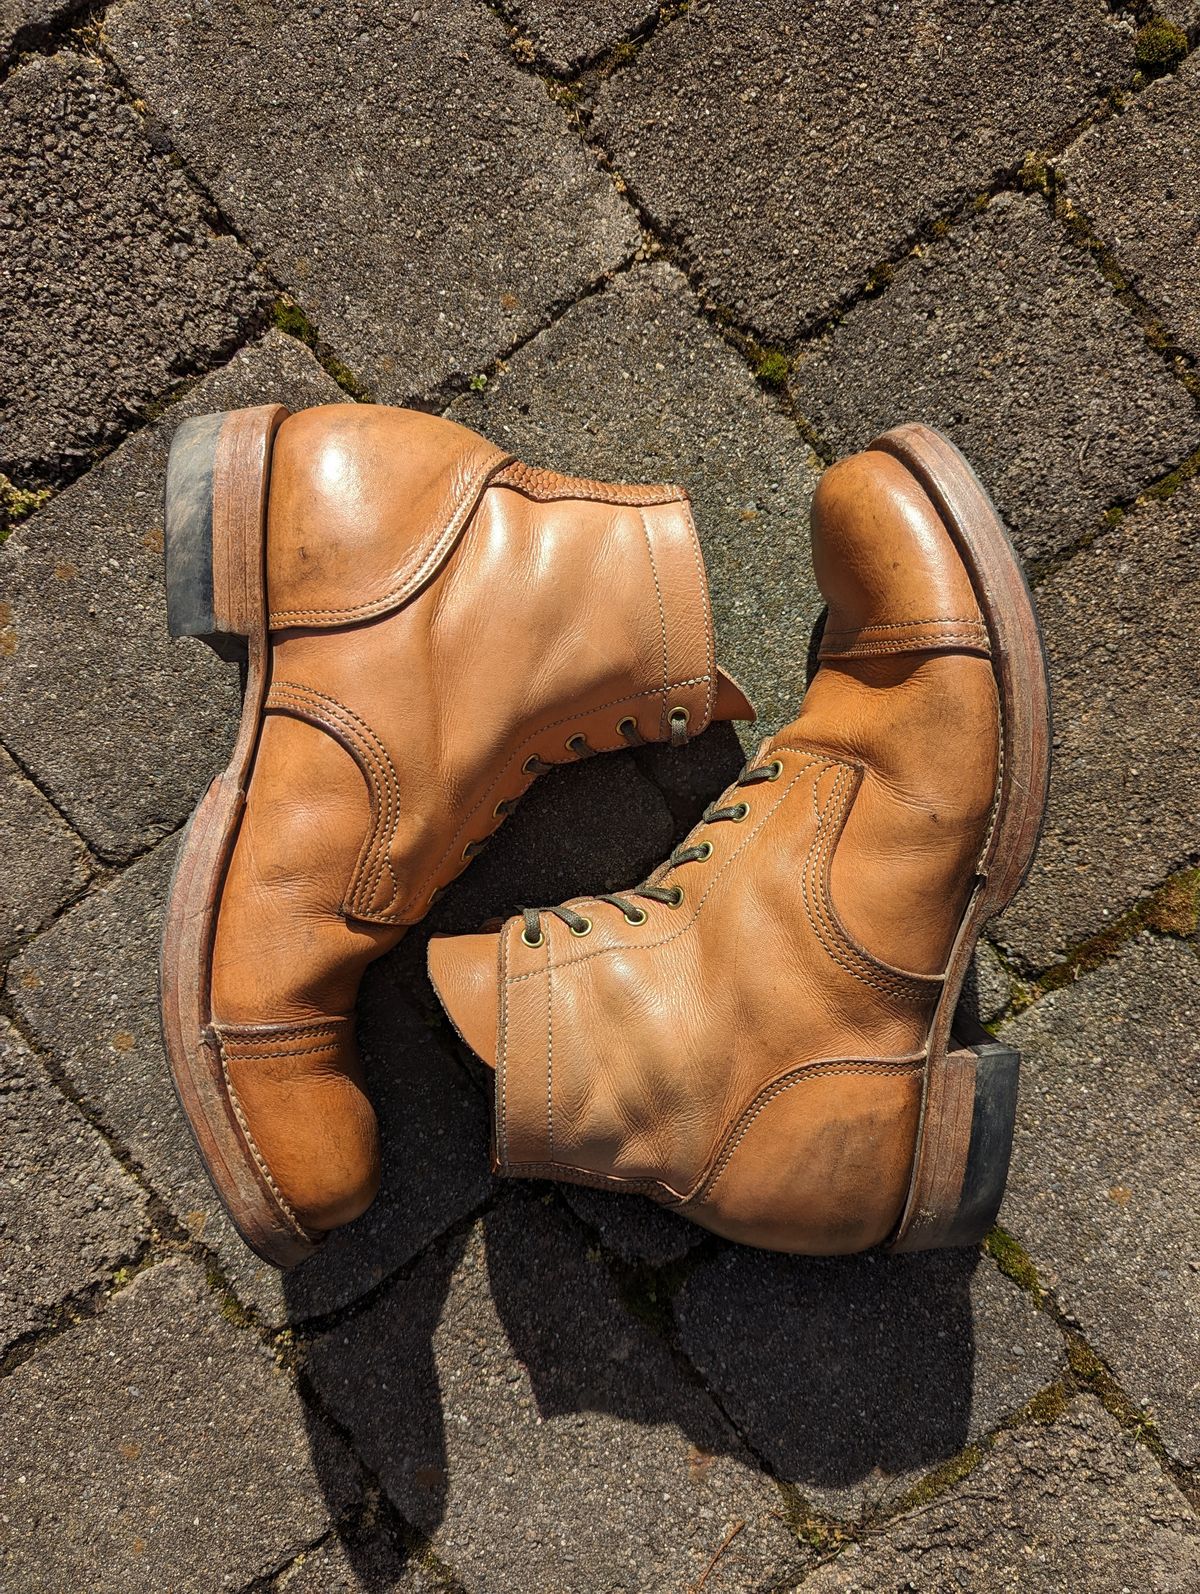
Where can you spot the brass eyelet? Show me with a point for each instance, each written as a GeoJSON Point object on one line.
{"type": "Point", "coordinates": [527, 768]}
{"type": "Point", "coordinates": [679, 713]}
{"type": "Point", "coordinates": [776, 768]}
{"type": "Point", "coordinates": [587, 929]}
{"type": "Point", "coordinates": [638, 916]}
{"type": "Point", "coordinates": [739, 812]}
{"type": "Point", "coordinates": [541, 939]}
{"type": "Point", "coordinates": [569, 744]}
{"type": "Point", "coordinates": [705, 849]}
{"type": "Point", "coordinates": [676, 897]}
{"type": "Point", "coordinates": [500, 811]}
{"type": "Point", "coordinates": [627, 724]}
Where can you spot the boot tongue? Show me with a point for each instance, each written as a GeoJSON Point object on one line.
{"type": "Point", "coordinates": [465, 971]}
{"type": "Point", "coordinates": [731, 702]}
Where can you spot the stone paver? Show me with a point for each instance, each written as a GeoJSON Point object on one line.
{"type": "Point", "coordinates": [1120, 624]}
{"type": "Point", "coordinates": [24, 22]}
{"type": "Point", "coordinates": [988, 990]}
{"type": "Point", "coordinates": [539, 1434]}
{"type": "Point", "coordinates": [1076, 1506]}
{"type": "Point", "coordinates": [424, 199]}
{"type": "Point", "coordinates": [1137, 176]}
{"type": "Point", "coordinates": [105, 954]}
{"type": "Point", "coordinates": [69, 1214]}
{"type": "Point", "coordinates": [159, 1447]}
{"type": "Point", "coordinates": [634, 1227]}
{"type": "Point", "coordinates": [348, 1566]}
{"type": "Point", "coordinates": [45, 864]}
{"type": "Point", "coordinates": [115, 282]}
{"type": "Point", "coordinates": [1105, 1190]}
{"type": "Point", "coordinates": [854, 1377]}
{"type": "Point", "coordinates": [122, 726]}
{"type": "Point", "coordinates": [1006, 336]}
{"type": "Point", "coordinates": [677, 404]}
{"type": "Point", "coordinates": [567, 36]}
{"type": "Point", "coordinates": [790, 152]}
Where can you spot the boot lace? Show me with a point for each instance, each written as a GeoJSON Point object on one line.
{"type": "Point", "coordinates": [672, 896]}
{"type": "Point", "coordinates": [579, 747]}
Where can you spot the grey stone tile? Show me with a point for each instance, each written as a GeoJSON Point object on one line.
{"type": "Point", "coordinates": [88, 988]}
{"type": "Point", "coordinates": [116, 284]}
{"type": "Point", "coordinates": [790, 151]}
{"type": "Point", "coordinates": [24, 22]}
{"type": "Point", "coordinates": [987, 990]}
{"type": "Point", "coordinates": [634, 1227]}
{"type": "Point", "coordinates": [1120, 625]}
{"type": "Point", "coordinates": [677, 404]}
{"type": "Point", "coordinates": [122, 726]}
{"type": "Point", "coordinates": [1075, 1506]}
{"type": "Point", "coordinates": [1105, 1189]}
{"type": "Point", "coordinates": [69, 1214]}
{"type": "Point", "coordinates": [855, 1376]}
{"type": "Point", "coordinates": [423, 198]}
{"type": "Point", "coordinates": [1007, 337]}
{"type": "Point", "coordinates": [45, 863]}
{"type": "Point", "coordinates": [567, 35]}
{"type": "Point", "coordinates": [357, 1562]}
{"type": "Point", "coordinates": [543, 1438]}
{"type": "Point", "coordinates": [1137, 177]}
{"type": "Point", "coordinates": [159, 1447]}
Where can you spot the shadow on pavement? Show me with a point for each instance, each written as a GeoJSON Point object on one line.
{"type": "Point", "coordinates": [502, 1314]}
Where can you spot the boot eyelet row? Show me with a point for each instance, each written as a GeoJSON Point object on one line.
{"type": "Point", "coordinates": [705, 852]}
{"type": "Point", "coordinates": [638, 916]}
{"type": "Point", "coordinates": [679, 716]}
{"type": "Point", "coordinates": [627, 724]}
{"type": "Point", "coordinates": [776, 768]}
{"type": "Point", "coordinates": [739, 812]}
{"type": "Point", "coordinates": [676, 897]}
{"type": "Point", "coordinates": [585, 930]}
{"type": "Point", "coordinates": [540, 941]}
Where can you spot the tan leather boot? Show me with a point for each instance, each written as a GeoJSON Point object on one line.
{"type": "Point", "coordinates": [760, 1036]}
{"type": "Point", "coordinates": [428, 625]}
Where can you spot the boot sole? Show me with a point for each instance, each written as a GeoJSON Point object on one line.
{"type": "Point", "coordinates": [218, 475]}
{"type": "Point", "coordinates": [968, 1110]}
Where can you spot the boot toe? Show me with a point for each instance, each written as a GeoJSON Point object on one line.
{"type": "Point", "coordinates": [465, 971]}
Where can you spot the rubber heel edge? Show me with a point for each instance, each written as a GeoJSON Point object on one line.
{"type": "Point", "coordinates": [218, 476]}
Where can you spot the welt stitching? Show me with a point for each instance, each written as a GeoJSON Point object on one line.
{"type": "Point", "coordinates": [896, 625]}
{"type": "Point", "coordinates": [408, 578]}
{"type": "Point", "coordinates": [252, 1146]}
{"type": "Point", "coordinates": [249, 1034]}
{"type": "Point", "coordinates": [912, 644]}
{"type": "Point", "coordinates": [651, 946]}
{"type": "Point", "coordinates": [662, 618]}
{"type": "Point", "coordinates": [275, 1057]}
{"type": "Point", "coordinates": [533, 736]}
{"type": "Point", "coordinates": [812, 1071]}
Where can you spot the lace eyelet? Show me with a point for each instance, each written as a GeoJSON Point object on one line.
{"type": "Point", "coordinates": [638, 916]}
{"type": "Point", "coordinates": [705, 848]}
{"type": "Point", "coordinates": [627, 724]}
{"type": "Point", "coordinates": [529, 767]}
{"type": "Point", "coordinates": [541, 939]}
{"type": "Point", "coordinates": [676, 897]}
{"type": "Point", "coordinates": [587, 929]}
{"type": "Point", "coordinates": [570, 746]}
{"type": "Point", "coordinates": [776, 768]}
{"type": "Point", "coordinates": [680, 714]}
{"type": "Point", "coordinates": [739, 812]}
{"type": "Point", "coordinates": [500, 811]}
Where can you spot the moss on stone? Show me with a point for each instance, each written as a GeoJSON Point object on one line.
{"type": "Point", "coordinates": [18, 503]}
{"type": "Point", "coordinates": [1161, 46]}
{"type": "Point", "coordinates": [1010, 1257]}
{"type": "Point", "coordinates": [771, 367]}
{"type": "Point", "coordinates": [942, 1478]}
{"type": "Point", "coordinates": [287, 315]}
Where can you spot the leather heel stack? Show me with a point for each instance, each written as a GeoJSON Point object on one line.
{"type": "Point", "coordinates": [218, 475]}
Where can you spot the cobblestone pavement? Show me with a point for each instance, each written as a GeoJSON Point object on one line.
{"type": "Point", "coordinates": [721, 243]}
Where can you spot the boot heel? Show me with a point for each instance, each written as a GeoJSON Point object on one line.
{"type": "Point", "coordinates": [215, 526]}
{"type": "Point", "coordinates": [978, 1075]}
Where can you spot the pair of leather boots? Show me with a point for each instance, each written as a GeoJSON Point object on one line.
{"type": "Point", "coordinates": [759, 1036]}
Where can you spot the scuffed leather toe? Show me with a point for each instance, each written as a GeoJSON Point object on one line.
{"type": "Point", "coordinates": [464, 970]}
{"type": "Point", "coordinates": [301, 1099]}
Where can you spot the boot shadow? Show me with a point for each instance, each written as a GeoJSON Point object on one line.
{"type": "Point", "coordinates": [844, 1374]}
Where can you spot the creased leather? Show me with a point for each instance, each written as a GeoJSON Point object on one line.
{"type": "Point", "coordinates": [440, 617]}
{"type": "Point", "coordinates": [753, 1057]}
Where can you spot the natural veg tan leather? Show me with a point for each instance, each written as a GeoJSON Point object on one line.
{"type": "Point", "coordinates": [753, 1056]}
{"type": "Point", "coordinates": [444, 623]}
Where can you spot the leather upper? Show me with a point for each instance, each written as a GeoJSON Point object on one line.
{"type": "Point", "coordinates": [444, 621]}
{"type": "Point", "coordinates": [754, 1055]}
